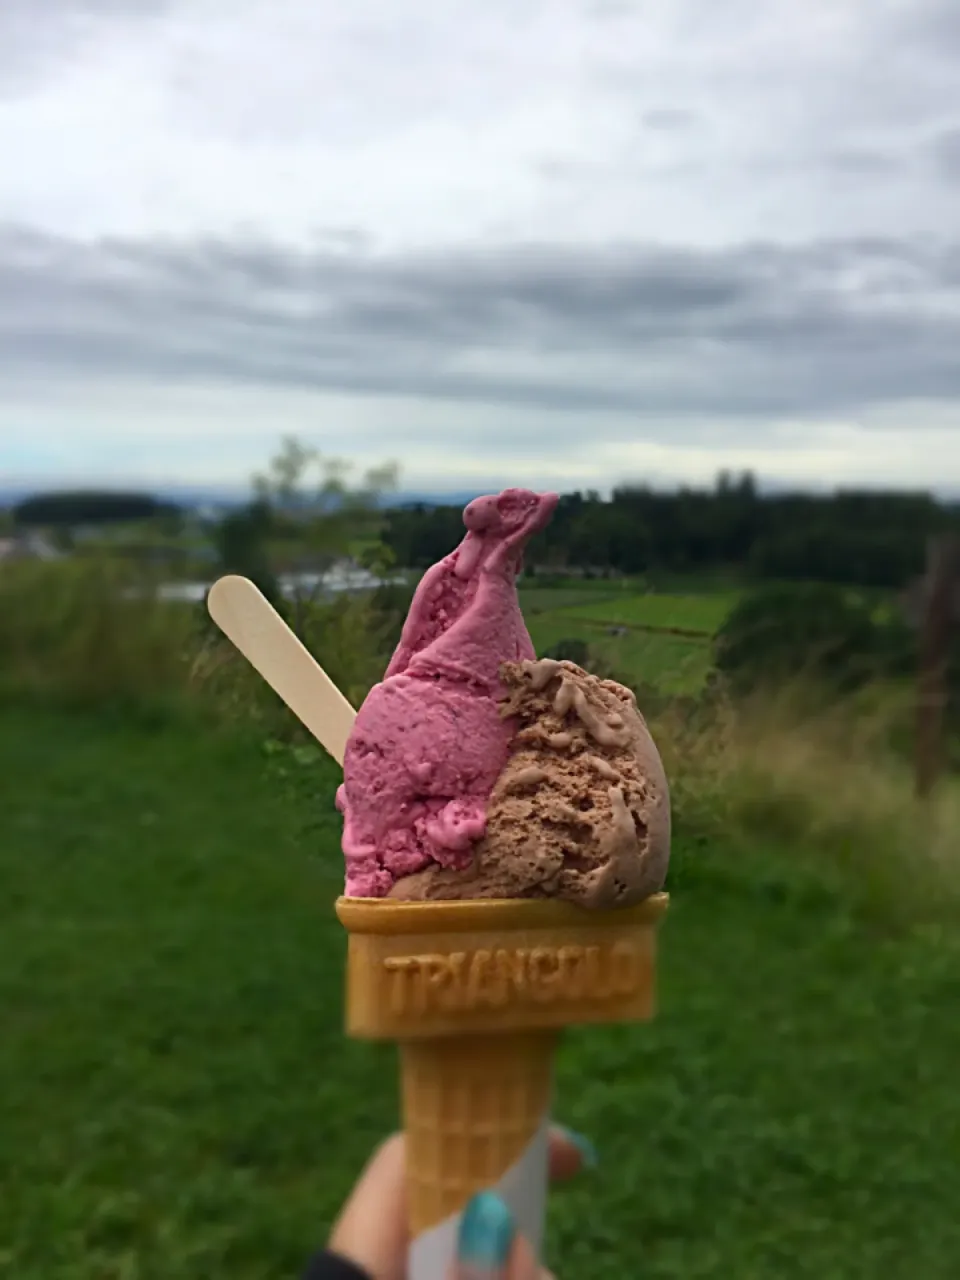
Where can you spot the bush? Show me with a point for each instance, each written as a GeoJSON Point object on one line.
{"type": "Point", "coordinates": [390, 604]}
{"type": "Point", "coordinates": [576, 651]}
{"type": "Point", "coordinates": [813, 773]}
{"type": "Point", "coordinates": [240, 540]}
{"type": "Point", "coordinates": [864, 557]}
{"type": "Point", "coordinates": [825, 633]}
{"type": "Point", "coordinates": [348, 636]}
{"type": "Point", "coordinates": [91, 631]}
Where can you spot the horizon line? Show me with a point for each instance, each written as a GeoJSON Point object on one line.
{"type": "Point", "coordinates": [15, 489]}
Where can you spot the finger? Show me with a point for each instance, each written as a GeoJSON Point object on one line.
{"type": "Point", "coordinates": [523, 1265]}
{"type": "Point", "coordinates": [569, 1153]}
{"type": "Point", "coordinates": [372, 1228]}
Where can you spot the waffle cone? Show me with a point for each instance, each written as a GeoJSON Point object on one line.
{"type": "Point", "coordinates": [476, 993]}
{"type": "Point", "coordinates": [471, 1107]}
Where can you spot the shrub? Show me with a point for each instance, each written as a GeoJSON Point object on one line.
{"type": "Point", "coordinates": [91, 631]}
{"type": "Point", "coordinates": [576, 651]}
{"type": "Point", "coordinates": [348, 634]}
{"type": "Point", "coordinates": [812, 773]}
{"type": "Point", "coordinates": [390, 604]}
{"type": "Point", "coordinates": [777, 632]}
{"type": "Point", "coordinates": [240, 540]}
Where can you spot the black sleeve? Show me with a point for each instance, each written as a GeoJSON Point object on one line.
{"type": "Point", "coordinates": [330, 1266]}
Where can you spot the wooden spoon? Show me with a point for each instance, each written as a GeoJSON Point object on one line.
{"type": "Point", "coordinates": [247, 618]}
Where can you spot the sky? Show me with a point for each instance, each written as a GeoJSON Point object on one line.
{"type": "Point", "coordinates": [562, 243]}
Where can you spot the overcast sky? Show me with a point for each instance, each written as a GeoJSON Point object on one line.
{"type": "Point", "coordinates": [539, 241]}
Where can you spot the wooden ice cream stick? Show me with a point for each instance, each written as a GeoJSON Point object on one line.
{"type": "Point", "coordinates": [247, 618]}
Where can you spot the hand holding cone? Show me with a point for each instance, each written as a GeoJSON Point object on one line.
{"type": "Point", "coordinates": [476, 992]}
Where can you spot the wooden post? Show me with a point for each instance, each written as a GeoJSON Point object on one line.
{"type": "Point", "coordinates": [940, 599]}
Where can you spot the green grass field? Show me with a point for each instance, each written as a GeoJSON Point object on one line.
{"type": "Point", "coordinates": [628, 604]}
{"type": "Point", "coordinates": [673, 663]}
{"type": "Point", "coordinates": [701, 613]}
{"type": "Point", "coordinates": [647, 651]}
{"type": "Point", "coordinates": [177, 1098]}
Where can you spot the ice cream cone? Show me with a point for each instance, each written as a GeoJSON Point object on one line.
{"type": "Point", "coordinates": [476, 994]}
{"type": "Point", "coordinates": [472, 1106]}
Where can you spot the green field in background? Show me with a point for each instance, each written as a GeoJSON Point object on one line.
{"type": "Point", "coordinates": [695, 612]}
{"type": "Point", "coordinates": [703, 613]}
{"type": "Point", "coordinates": [177, 1098]}
{"type": "Point", "coordinates": [672, 663]}
{"type": "Point", "coordinates": [594, 612]}
{"type": "Point", "coordinates": [536, 599]}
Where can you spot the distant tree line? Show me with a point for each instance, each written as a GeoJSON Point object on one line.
{"type": "Point", "coordinates": [65, 509]}
{"type": "Point", "coordinates": [866, 539]}
{"type": "Point", "coordinates": [858, 538]}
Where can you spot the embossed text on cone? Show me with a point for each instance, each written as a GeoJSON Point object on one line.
{"type": "Point", "coordinates": [476, 993]}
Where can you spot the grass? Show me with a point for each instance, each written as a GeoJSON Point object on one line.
{"type": "Point", "coordinates": [630, 632]}
{"type": "Point", "coordinates": [92, 632]}
{"type": "Point", "coordinates": [674, 664]}
{"type": "Point", "coordinates": [70, 631]}
{"type": "Point", "coordinates": [700, 613]}
{"type": "Point", "coordinates": [73, 627]}
{"type": "Point", "coordinates": [536, 599]}
{"type": "Point", "coordinates": [629, 603]}
{"type": "Point", "coordinates": [177, 1097]}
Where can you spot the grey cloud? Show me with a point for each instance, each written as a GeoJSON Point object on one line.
{"type": "Point", "coordinates": [22, 15]}
{"type": "Point", "coordinates": [933, 25]}
{"type": "Point", "coordinates": [946, 149]}
{"type": "Point", "coordinates": [755, 330]}
{"type": "Point", "coordinates": [559, 169]}
{"type": "Point", "coordinates": [668, 119]}
{"type": "Point", "coordinates": [346, 238]}
{"type": "Point", "coordinates": [864, 161]}
{"type": "Point", "coordinates": [610, 9]}
{"type": "Point", "coordinates": [37, 35]}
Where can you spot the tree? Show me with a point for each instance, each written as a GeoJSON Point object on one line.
{"type": "Point", "coordinates": [315, 504]}
{"type": "Point", "coordinates": [419, 536]}
{"type": "Point", "coordinates": [282, 485]}
{"type": "Point", "coordinates": [241, 539]}
{"type": "Point", "coordinates": [68, 508]}
{"type": "Point", "coordinates": [779, 632]}
{"type": "Point", "coordinates": [573, 650]}
{"type": "Point", "coordinates": [866, 539]}
{"type": "Point", "coordinates": [304, 500]}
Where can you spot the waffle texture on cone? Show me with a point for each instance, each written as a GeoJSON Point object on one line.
{"type": "Point", "coordinates": [434, 969]}
{"type": "Point", "coordinates": [472, 1106]}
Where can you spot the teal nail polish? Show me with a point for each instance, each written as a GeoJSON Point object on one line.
{"type": "Point", "coordinates": [588, 1152]}
{"type": "Point", "coordinates": [486, 1233]}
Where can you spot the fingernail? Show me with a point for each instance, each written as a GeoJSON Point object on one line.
{"type": "Point", "coordinates": [486, 1233]}
{"type": "Point", "coordinates": [588, 1152]}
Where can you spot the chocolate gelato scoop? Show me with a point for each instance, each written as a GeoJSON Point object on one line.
{"type": "Point", "coordinates": [580, 810]}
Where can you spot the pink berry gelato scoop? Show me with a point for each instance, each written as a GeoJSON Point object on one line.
{"type": "Point", "coordinates": [429, 742]}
